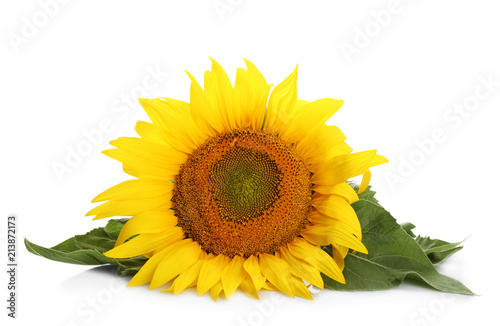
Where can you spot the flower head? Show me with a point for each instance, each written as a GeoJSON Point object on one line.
{"type": "Point", "coordinates": [233, 190]}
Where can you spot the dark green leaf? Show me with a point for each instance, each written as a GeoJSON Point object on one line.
{"type": "Point", "coordinates": [114, 227]}
{"type": "Point", "coordinates": [97, 239]}
{"type": "Point", "coordinates": [79, 256]}
{"type": "Point", "coordinates": [438, 250]}
{"type": "Point", "coordinates": [130, 266]}
{"type": "Point", "coordinates": [88, 249]}
{"type": "Point", "coordinates": [408, 227]}
{"type": "Point", "coordinates": [393, 256]}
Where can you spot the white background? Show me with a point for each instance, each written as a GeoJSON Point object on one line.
{"type": "Point", "coordinates": [63, 74]}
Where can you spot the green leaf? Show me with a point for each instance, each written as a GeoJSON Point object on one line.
{"type": "Point", "coordinates": [88, 249]}
{"type": "Point", "coordinates": [408, 227]}
{"type": "Point", "coordinates": [393, 255]}
{"type": "Point", "coordinates": [78, 256]}
{"type": "Point", "coordinates": [130, 266]}
{"type": "Point", "coordinates": [114, 227]}
{"type": "Point", "coordinates": [437, 250]}
{"type": "Point", "coordinates": [368, 194]}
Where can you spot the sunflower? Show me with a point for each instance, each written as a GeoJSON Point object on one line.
{"type": "Point", "coordinates": [237, 189]}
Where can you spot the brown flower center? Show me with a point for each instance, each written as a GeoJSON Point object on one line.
{"type": "Point", "coordinates": [243, 192]}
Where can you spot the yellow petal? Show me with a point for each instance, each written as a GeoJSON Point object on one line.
{"type": "Point", "coordinates": [174, 119]}
{"type": "Point", "coordinates": [277, 272]}
{"type": "Point", "coordinates": [314, 255]}
{"type": "Point", "coordinates": [216, 290]}
{"type": "Point", "coordinates": [147, 222]}
{"type": "Point", "coordinates": [156, 152]}
{"type": "Point", "coordinates": [149, 132]}
{"type": "Point", "coordinates": [316, 217]}
{"type": "Point", "coordinates": [321, 146]}
{"type": "Point", "coordinates": [145, 274]}
{"type": "Point", "coordinates": [144, 243]}
{"type": "Point", "coordinates": [210, 273]}
{"type": "Point", "coordinates": [336, 232]}
{"type": "Point", "coordinates": [220, 91]}
{"type": "Point", "coordinates": [377, 160]}
{"type": "Point", "coordinates": [257, 95]}
{"type": "Point", "coordinates": [135, 189]}
{"type": "Point", "coordinates": [141, 166]}
{"type": "Point", "coordinates": [130, 207]}
{"type": "Point", "coordinates": [337, 208]}
{"type": "Point", "coordinates": [310, 117]}
{"type": "Point", "coordinates": [248, 287]}
{"type": "Point", "coordinates": [365, 181]}
{"type": "Point", "coordinates": [208, 118]}
{"type": "Point", "coordinates": [281, 102]}
{"type": "Point", "coordinates": [189, 277]}
{"type": "Point", "coordinates": [181, 256]}
{"type": "Point", "coordinates": [240, 99]}
{"type": "Point", "coordinates": [340, 168]}
{"type": "Point", "coordinates": [302, 269]}
{"type": "Point", "coordinates": [299, 288]}
{"type": "Point", "coordinates": [251, 266]}
{"type": "Point", "coordinates": [338, 253]}
{"type": "Point", "coordinates": [269, 286]}
{"type": "Point", "coordinates": [341, 189]}
{"type": "Point", "coordinates": [232, 275]}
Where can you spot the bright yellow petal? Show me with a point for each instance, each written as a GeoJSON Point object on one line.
{"type": "Point", "coordinates": [174, 119]}
{"type": "Point", "coordinates": [130, 207]}
{"type": "Point", "coordinates": [181, 256]}
{"type": "Point", "coordinates": [241, 111]}
{"type": "Point", "coordinates": [301, 268]}
{"type": "Point", "coordinates": [210, 273]}
{"type": "Point", "coordinates": [316, 217]}
{"type": "Point", "coordinates": [150, 132]}
{"type": "Point", "coordinates": [299, 288]}
{"type": "Point", "coordinates": [368, 175]}
{"type": "Point", "coordinates": [338, 253]}
{"type": "Point", "coordinates": [281, 103]}
{"type": "Point", "coordinates": [365, 181]}
{"type": "Point", "coordinates": [147, 222]}
{"type": "Point", "coordinates": [277, 272]}
{"type": "Point", "coordinates": [335, 232]}
{"type": "Point", "coordinates": [216, 290]}
{"type": "Point", "coordinates": [142, 167]}
{"type": "Point", "coordinates": [156, 152]}
{"type": "Point", "coordinates": [314, 255]}
{"type": "Point", "coordinates": [337, 208]}
{"type": "Point", "coordinates": [220, 91]}
{"type": "Point", "coordinates": [257, 95]}
{"type": "Point", "coordinates": [145, 274]}
{"type": "Point", "coordinates": [232, 275]}
{"type": "Point", "coordinates": [310, 117]}
{"type": "Point", "coordinates": [252, 267]}
{"type": "Point", "coordinates": [156, 111]}
{"type": "Point", "coordinates": [324, 144]}
{"type": "Point", "coordinates": [135, 189]}
{"type": "Point", "coordinates": [341, 189]}
{"type": "Point", "coordinates": [340, 168]}
{"type": "Point", "coordinates": [144, 243]}
{"type": "Point", "coordinates": [248, 287]}
{"type": "Point", "coordinates": [189, 277]}
{"type": "Point", "coordinates": [206, 116]}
